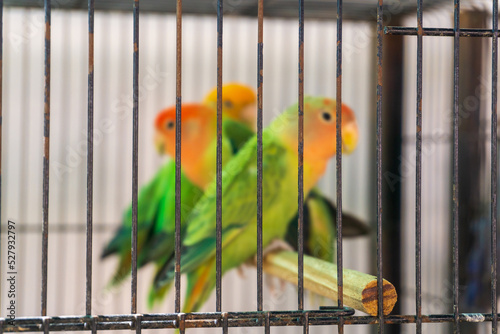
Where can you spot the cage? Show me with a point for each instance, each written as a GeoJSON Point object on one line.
{"type": "Point", "coordinates": [424, 70]}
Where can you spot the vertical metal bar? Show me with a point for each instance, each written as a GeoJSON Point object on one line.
{"type": "Point", "coordinates": [90, 158]}
{"type": "Point", "coordinates": [301, 160]}
{"type": "Point", "coordinates": [267, 329]}
{"type": "Point", "coordinates": [260, 83]}
{"type": "Point", "coordinates": [178, 143]}
{"type": "Point", "coordinates": [306, 323]}
{"type": "Point", "coordinates": [494, 167]}
{"type": "Point", "coordinates": [182, 323]}
{"type": "Point", "coordinates": [135, 154]}
{"type": "Point", "coordinates": [46, 158]}
{"type": "Point", "coordinates": [418, 198]}
{"type": "Point", "coordinates": [1, 113]}
{"type": "Point", "coordinates": [93, 324]}
{"type": "Point", "coordinates": [46, 325]}
{"type": "Point", "coordinates": [340, 278]}
{"type": "Point", "coordinates": [138, 324]}
{"type": "Point", "coordinates": [380, 34]}
{"type": "Point", "coordinates": [225, 323]}
{"type": "Point", "coordinates": [218, 285]}
{"type": "Point", "coordinates": [456, 49]}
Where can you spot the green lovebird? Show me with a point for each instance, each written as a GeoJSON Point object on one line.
{"type": "Point", "coordinates": [239, 188]}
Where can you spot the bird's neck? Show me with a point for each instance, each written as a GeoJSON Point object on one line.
{"type": "Point", "coordinates": [199, 171]}
{"type": "Point", "coordinates": [313, 169]}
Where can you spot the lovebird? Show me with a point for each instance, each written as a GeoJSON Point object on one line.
{"type": "Point", "coordinates": [156, 201]}
{"type": "Point", "coordinates": [239, 188]}
{"type": "Point", "coordinates": [319, 213]}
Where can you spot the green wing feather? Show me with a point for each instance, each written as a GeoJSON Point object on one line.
{"type": "Point", "coordinates": [320, 227]}
{"type": "Point", "coordinates": [155, 224]}
{"type": "Point", "coordinates": [149, 197]}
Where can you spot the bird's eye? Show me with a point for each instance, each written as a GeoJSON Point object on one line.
{"type": "Point", "coordinates": [326, 116]}
{"type": "Point", "coordinates": [228, 104]}
{"type": "Point", "coordinates": [170, 125]}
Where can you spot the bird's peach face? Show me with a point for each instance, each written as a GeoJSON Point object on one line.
{"type": "Point", "coordinates": [196, 130]}
{"type": "Point", "coordinates": [165, 132]}
{"type": "Point", "coordinates": [320, 125]}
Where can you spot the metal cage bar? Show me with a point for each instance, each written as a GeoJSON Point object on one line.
{"type": "Point", "coordinates": [1, 101]}
{"type": "Point", "coordinates": [218, 284]}
{"type": "Point", "coordinates": [234, 319]}
{"type": "Point", "coordinates": [135, 155]}
{"type": "Point", "coordinates": [178, 145]}
{"type": "Point", "coordinates": [413, 31]}
{"type": "Point", "coordinates": [494, 166]}
{"type": "Point", "coordinates": [418, 190]}
{"type": "Point", "coordinates": [338, 112]}
{"type": "Point", "coordinates": [260, 88]}
{"type": "Point", "coordinates": [300, 293]}
{"type": "Point", "coordinates": [90, 160]}
{"type": "Point", "coordinates": [380, 32]}
{"type": "Point", "coordinates": [46, 158]}
{"type": "Point", "coordinates": [456, 49]}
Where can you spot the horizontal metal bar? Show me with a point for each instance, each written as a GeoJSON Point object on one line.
{"type": "Point", "coordinates": [325, 10]}
{"type": "Point", "coordinates": [413, 31]}
{"type": "Point", "coordinates": [234, 319]}
{"type": "Point", "coordinates": [60, 227]}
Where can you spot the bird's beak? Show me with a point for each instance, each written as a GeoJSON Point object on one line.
{"type": "Point", "coordinates": [159, 144]}
{"type": "Point", "coordinates": [349, 137]}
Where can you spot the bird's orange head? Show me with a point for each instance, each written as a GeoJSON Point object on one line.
{"type": "Point", "coordinates": [196, 130]}
{"type": "Point", "coordinates": [239, 102]}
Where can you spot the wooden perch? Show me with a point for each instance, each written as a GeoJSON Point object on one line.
{"type": "Point", "coordinates": [360, 289]}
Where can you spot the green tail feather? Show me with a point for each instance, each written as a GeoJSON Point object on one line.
{"type": "Point", "coordinates": [201, 283]}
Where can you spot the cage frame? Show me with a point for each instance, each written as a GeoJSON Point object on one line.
{"type": "Point", "coordinates": [339, 316]}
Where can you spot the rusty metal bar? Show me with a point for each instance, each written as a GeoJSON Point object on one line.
{"type": "Point", "coordinates": [338, 112]}
{"type": "Point", "coordinates": [225, 323]}
{"type": "Point", "coordinates": [260, 84]}
{"type": "Point", "coordinates": [46, 159]}
{"type": "Point", "coordinates": [443, 32]}
{"type": "Point", "coordinates": [93, 325]}
{"type": "Point", "coordinates": [418, 188]}
{"type": "Point", "coordinates": [306, 323]}
{"type": "Point", "coordinates": [90, 159]}
{"type": "Point", "coordinates": [380, 34]}
{"type": "Point", "coordinates": [182, 323]}
{"type": "Point", "coordinates": [300, 241]}
{"type": "Point", "coordinates": [456, 49]}
{"type": "Point", "coordinates": [178, 144]}
{"type": "Point", "coordinates": [494, 166]}
{"type": "Point", "coordinates": [138, 324]}
{"type": "Point", "coordinates": [234, 319]}
{"type": "Point", "coordinates": [218, 286]}
{"type": "Point", "coordinates": [1, 112]}
{"type": "Point", "coordinates": [46, 325]}
{"type": "Point", "coordinates": [135, 155]}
